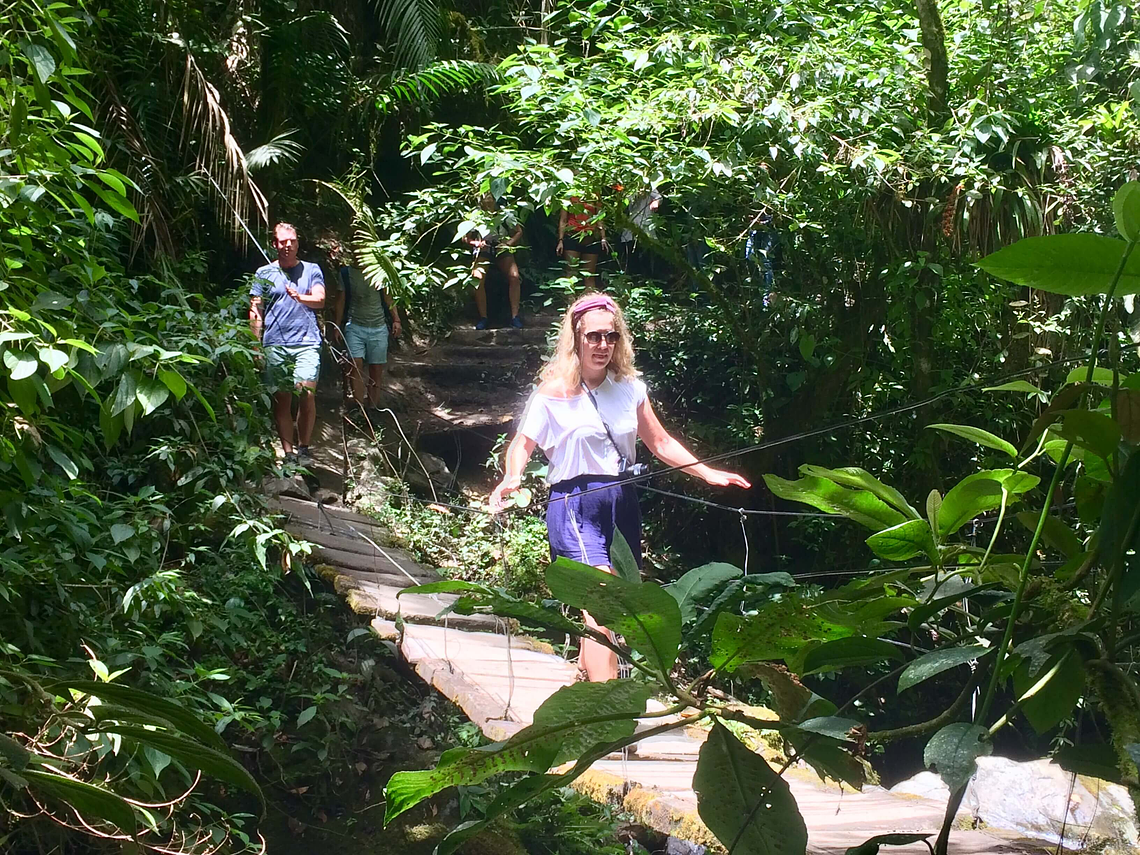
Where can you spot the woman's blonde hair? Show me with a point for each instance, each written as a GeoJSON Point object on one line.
{"type": "Point", "coordinates": [564, 364]}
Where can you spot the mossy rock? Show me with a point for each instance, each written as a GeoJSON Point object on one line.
{"type": "Point", "coordinates": [494, 841]}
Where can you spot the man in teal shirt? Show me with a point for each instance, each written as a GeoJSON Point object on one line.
{"type": "Point", "coordinates": [288, 330]}
{"type": "Point", "coordinates": [362, 313]}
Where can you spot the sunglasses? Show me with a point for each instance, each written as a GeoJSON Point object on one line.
{"type": "Point", "coordinates": [595, 337]}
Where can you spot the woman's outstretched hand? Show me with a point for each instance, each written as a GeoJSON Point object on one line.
{"type": "Point", "coordinates": [723, 478]}
{"type": "Point", "coordinates": [499, 495]}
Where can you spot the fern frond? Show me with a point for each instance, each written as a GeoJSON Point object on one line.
{"type": "Point", "coordinates": [219, 156]}
{"type": "Point", "coordinates": [376, 265]}
{"type": "Point", "coordinates": [282, 149]}
{"type": "Point", "coordinates": [439, 79]}
{"type": "Point", "coordinates": [414, 27]}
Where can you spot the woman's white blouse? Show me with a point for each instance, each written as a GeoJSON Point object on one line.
{"type": "Point", "coordinates": [570, 433]}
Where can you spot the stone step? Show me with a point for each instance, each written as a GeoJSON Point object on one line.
{"type": "Point", "coordinates": [527, 335]}
{"type": "Point", "coordinates": [448, 373]}
{"type": "Point", "coordinates": [448, 352]}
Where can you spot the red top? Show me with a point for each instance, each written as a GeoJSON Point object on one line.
{"type": "Point", "coordinates": [579, 214]}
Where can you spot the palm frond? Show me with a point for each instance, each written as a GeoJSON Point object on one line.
{"type": "Point", "coordinates": [219, 156]}
{"type": "Point", "coordinates": [414, 27]}
{"type": "Point", "coordinates": [438, 79]}
{"type": "Point", "coordinates": [282, 149]}
{"type": "Point", "coordinates": [376, 265]}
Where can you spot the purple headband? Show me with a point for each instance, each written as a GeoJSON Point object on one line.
{"type": "Point", "coordinates": [598, 301]}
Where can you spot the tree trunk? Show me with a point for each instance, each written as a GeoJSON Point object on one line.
{"type": "Point", "coordinates": [936, 61]}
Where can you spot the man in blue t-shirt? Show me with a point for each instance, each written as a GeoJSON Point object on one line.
{"type": "Point", "coordinates": [293, 290]}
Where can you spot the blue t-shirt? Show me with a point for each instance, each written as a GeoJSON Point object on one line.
{"type": "Point", "coordinates": [287, 321]}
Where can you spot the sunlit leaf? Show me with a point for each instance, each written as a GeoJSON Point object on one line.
{"type": "Point", "coordinates": [936, 661]}
{"type": "Point", "coordinates": [1075, 264]}
{"type": "Point", "coordinates": [953, 752]}
{"type": "Point", "coordinates": [743, 801]}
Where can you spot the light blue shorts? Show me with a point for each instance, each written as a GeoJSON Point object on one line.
{"type": "Point", "coordinates": [367, 343]}
{"type": "Point", "coordinates": [283, 362]}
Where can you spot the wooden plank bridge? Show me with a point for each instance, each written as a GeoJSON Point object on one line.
{"type": "Point", "coordinates": [499, 681]}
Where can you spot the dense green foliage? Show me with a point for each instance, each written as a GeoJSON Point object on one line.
{"type": "Point", "coordinates": [145, 619]}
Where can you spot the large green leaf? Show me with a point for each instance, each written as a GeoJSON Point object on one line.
{"type": "Point", "coordinates": [1118, 534]}
{"type": "Point", "coordinates": [871, 845]}
{"type": "Point", "coordinates": [151, 395]}
{"type": "Point", "coordinates": [163, 712]}
{"type": "Point", "coordinates": [981, 437]}
{"type": "Point", "coordinates": [193, 755]}
{"type": "Point", "coordinates": [1056, 533]}
{"type": "Point", "coordinates": [903, 541]}
{"type": "Point", "coordinates": [1096, 432]}
{"type": "Point", "coordinates": [125, 394]}
{"type": "Point", "coordinates": [1052, 702]}
{"type": "Point", "coordinates": [953, 752]}
{"type": "Point", "coordinates": [975, 494]}
{"type": "Point", "coordinates": [853, 476]}
{"type": "Point", "coordinates": [1097, 761]}
{"type": "Point", "coordinates": [93, 803]}
{"type": "Point", "coordinates": [1077, 265]}
{"type": "Point", "coordinates": [922, 613]}
{"type": "Point", "coordinates": [624, 563]}
{"type": "Point", "coordinates": [859, 506]}
{"type": "Point", "coordinates": [1126, 210]}
{"type": "Point", "coordinates": [777, 631]}
{"type": "Point", "coordinates": [572, 720]}
{"type": "Point", "coordinates": [743, 801]}
{"type": "Point", "coordinates": [847, 652]}
{"type": "Point", "coordinates": [936, 661]}
{"type": "Point", "coordinates": [829, 758]}
{"type": "Point", "coordinates": [699, 584]}
{"type": "Point", "coordinates": [574, 703]}
{"type": "Point", "coordinates": [643, 612]}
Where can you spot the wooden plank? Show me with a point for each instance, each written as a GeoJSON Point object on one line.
{"type": "Point", "coordinates": [380, 601]}
{"type": "Point", "coordinates": [395, 563]}
{"type": "Point", "coordinates": [461, 641]}
{"type": "Point", "coordinates": [346, 542]}
{"type": "Point", "coordinates": [476, 701]}
{"type": "Point", "coordinates": [345, 580]}
{"type": "Point", "coordinates": [323, 515]}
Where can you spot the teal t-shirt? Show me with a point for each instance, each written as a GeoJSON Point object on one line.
{"type": "Point", "coordinates": [365, 303]}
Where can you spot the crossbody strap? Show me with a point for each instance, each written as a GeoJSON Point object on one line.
{"type": "Point", "coordinates": [609, 434]}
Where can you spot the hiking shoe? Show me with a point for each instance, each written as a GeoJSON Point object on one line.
{"type": "Point", "coordinates": [516, 322]}
{"type": "Point", "coordinates": [290, 458]}
{"type": "Point", "coordinates": [481, 324]}
{"type": "Point", "coordinates": [304, 457]}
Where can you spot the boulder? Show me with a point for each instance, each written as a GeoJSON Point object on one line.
{"type": "Point", "coordinates": [1034, 800]}
{"type": "Point", "coordinates": [925, 785]}
{"type": "Point", "coordinates": [274, 486]}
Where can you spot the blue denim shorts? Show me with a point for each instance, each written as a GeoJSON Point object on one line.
{"type": "Point", "coordinates": [581, 527]}
{"type": "Point", "coordinates": [301, 364]}
{"type": "Point", "coordinates": [367, 343]}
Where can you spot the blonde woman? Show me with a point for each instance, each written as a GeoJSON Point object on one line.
{"type": "Point", "coordinates": [587, 415]}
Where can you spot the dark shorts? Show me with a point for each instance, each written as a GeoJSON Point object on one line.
{"type": "Point", "coordinates": [581, 527]}
{"type": "Point", "coordinates": [583, 242]}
